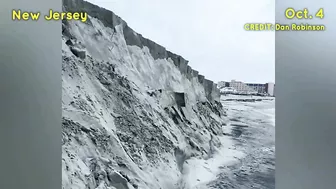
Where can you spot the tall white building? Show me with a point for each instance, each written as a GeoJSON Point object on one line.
{"type": "Point", "coordinates": [270, 88]}
{"type": "Point", "coordinates": [241, 87]}
{"type": "Point", "coordinates": [258, 87]}
{"type": "Point", "coordinates": [248, 88]}
{"type": "Point", "coordinates": [221, 84]}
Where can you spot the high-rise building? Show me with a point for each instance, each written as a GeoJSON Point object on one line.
{"type": "Point", "coordinates": [250, 88]}
{"type": "Point", "coordinates": [270, 88]}
{"type": "Point", "coordinates": [274, 90]}
{"type": "Point", "coordinates": [259, 88]}
{"type": "Point", "coordinates": [223, 84]}
{"type": "Point", "coordinates": [241, 87]}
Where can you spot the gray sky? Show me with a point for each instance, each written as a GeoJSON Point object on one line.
{"type": "Point", "coordinates": [208, 33]}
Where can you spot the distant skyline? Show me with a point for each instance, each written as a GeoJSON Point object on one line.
{"type": "Point", "coordinates": [209, 34]}
{"type": "Point", "coordinates": [247, 81]}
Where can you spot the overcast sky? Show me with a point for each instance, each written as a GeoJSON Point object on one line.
{"type": "Point", "coordinates": [208, 33]}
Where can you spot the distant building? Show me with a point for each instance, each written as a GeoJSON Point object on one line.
{"type": "Point", "coordinates": [241, 87]}
{"type": "Point", "coordinates": [259, 88]}
{"type": "Point", "coordinates": [270, 88]}
{"type": "Point", "coordinates": [223, 84]}
{"type": "Point", "coordinates": [274, 90]}
{"type": "Point", "coordinates": [248, 88]}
